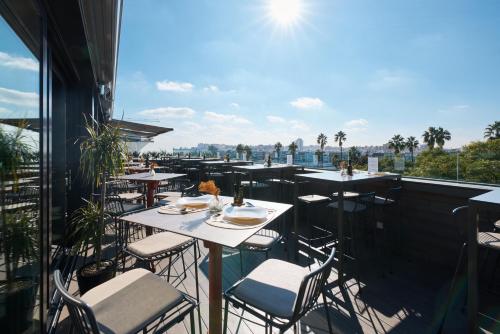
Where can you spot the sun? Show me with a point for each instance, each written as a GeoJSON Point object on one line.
{"type": "Point", "coordinates": [285, 12]}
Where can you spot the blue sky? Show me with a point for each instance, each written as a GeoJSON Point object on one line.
{"type": "Point", "coordinates": [221, 71]}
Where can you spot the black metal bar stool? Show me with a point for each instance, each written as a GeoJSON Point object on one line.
{"type": "Point", "coordinates": [316, 234]}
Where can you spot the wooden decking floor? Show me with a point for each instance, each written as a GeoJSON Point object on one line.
{"type": "Point", "coordinates": [407, 299]}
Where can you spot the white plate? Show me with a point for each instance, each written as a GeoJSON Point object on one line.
{"type": "Point", "coordinates": [245, 213]}
{"type": "Point", "coordinates": [193, 202]}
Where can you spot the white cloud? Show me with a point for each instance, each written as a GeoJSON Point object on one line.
{"type": "Point", "coordinates": [11, 96]}
{"type": "Point", "coordinates": [385, 79]}
{"type": "Point", "coordinates": [275, 119]}
{"type": "Point", "coordinates": [454, 109]}
{"type": "Point", "coordinates": [173, 86]}
{"type": "Point", "coordinates": [356, 125]}
{"type": "Point", "coordinates": [356, 122]}
{"type": "Point", "coordinates": [307, 103]}
{"type": "Point", "coordinates": [18, 62]}
{"type": "Point", "coordinates": [2, 110]}
{"type": "Point", "coordinates": [212, 116]}
{"type": "Point", "coordinates": [234, 105]}
{"type": "Point", "coordinates": [211, 89]}
{"type": "Point", "coordinates": [169, 112]}
{"type": "Point", "coordinates": [299, 125]}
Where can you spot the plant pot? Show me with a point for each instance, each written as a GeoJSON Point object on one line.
{"type": "Point", "coordinates": [89, 276]}
{"type": "Point", "coordinates": [17, 305]}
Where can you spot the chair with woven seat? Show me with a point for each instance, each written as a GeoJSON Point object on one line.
{"type": "Point", "coordinates": [280, 293]}
{"type": "Point", "coordinates": [262, 241]}
{"type": "Point", "coordinates": [131, 302]}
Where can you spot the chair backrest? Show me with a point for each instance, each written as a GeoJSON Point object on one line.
{"type": "Point", "coordinates": [80, 313]}
{"type": "Point", "coordinates": [113, 205]}
{"type": "Point", "coordinates": [394, 195]}
{"type": "Point", "coordinates": [365, 199]}
{"type": "Point", "coordinates": [460, 216]}
{"type": "Point", "coordinates": [311, 287]}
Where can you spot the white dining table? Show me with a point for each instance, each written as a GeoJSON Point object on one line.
{"type": "Point", "coordinates": [214, 238]}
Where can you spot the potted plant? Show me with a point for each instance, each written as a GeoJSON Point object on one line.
{"type": "Point", "coordinates": [102, 153]}
{"type": "Point", "coordinates": [18, 240]}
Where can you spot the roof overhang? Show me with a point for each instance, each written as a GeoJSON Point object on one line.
{"type": "Point", "coordinates": [131, 131]}
{"type": "Point", "coordinates": [102, 22]}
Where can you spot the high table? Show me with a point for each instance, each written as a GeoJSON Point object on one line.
{"type": "Point", "coordinates": [341, 183]}
{"type": "Point", "coordinates": [151, 182]}
{"type": "Point", "coordinates": [214, 238]}
{"type": "Point", "coordinates": [489, 201]}
{"type": "Point", "coordinates": [259, 168]}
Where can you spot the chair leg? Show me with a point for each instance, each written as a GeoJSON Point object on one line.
{"type": "Point", "coordinates": [241, 262]}
{"type": "Point", "coordinates": [226, 309]}
{"type": "Point", "coordinates": [168, 270]}
{"type": "Point", "coordinates": [191, 321]}
{"type": "Point", "coordinates": [196, 282]}
{"type": "Point", "coordinates": [183, 264]}
{"type": "Point", "coordinates": [327, 314]}
{"type": "Point", "coordinates": [452, 287]}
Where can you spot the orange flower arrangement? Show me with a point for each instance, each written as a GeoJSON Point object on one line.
{"type": "Point", "coordinates": [209, 187]}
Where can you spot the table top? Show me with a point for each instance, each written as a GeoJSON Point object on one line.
{"type": "Point", "coordinates": [489, 198]}
{"type": "Point", "coordinates": [146, 177]}
{"type": "Point", "coordinates": [358, 177]}
{"type": "Point", "coordinates": [222, 162]}
{"type": "Point", "coordinates": [260, 167]}
{"type": "Point", "coordinates": [194, 225]}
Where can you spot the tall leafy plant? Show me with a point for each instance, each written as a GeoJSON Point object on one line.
{"type": "Point", "coordinates": [102, 153]}
{"type": "Point", "coordinates": [18, 228]}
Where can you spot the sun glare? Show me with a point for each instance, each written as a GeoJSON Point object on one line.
{"type": "Point", "coordinates": [285, 12]}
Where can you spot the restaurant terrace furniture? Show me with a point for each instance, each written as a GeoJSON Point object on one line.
{"type": "Point", "coordinates": [361, 206]}
{"type": "Point", "coordinates": [195, 225]}
{"type": "Point", "coordinates": [255, 169]}
{"type": "Point", "coordinates": [460, 219]}
{"type": "Point", "coordinates": [487, 202]}
{"type": "Point", "coordinates": [315, 232]}
{"type": "Point", "coordinates": [263, 241]}
{"type": "Point", "coordinates": [131, 302]}
{"type": "Point", "coordinates": [280, 293]}
{"type": "Point", "coordinates": [339, 183]}
{"type": "Point", "coordinates": [151, 182]}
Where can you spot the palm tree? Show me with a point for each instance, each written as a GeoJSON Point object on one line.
{"type": "Point", "coordinates": [322, 140]}
{"type": "Point", "coordinates": [430, 137]}
{"type": "Point", "coordinates": [411, 145]}
{"type": "Point", "coordinates": [492, 131]}
{"type": "Point", "coordinates": [442, 135]}
{"type": "Point", "coordinates": [340, 137]}
{"type": "Point", "coordinates": [277, 147]}
{"type": "Point", "coordinates": [319, 154]}
{"type": "Point", "coordinates": [292, 148]}
{"type": "Point", "coordinates": [239, 149]}
{"type": "Point", "coordinates": [397, 143]}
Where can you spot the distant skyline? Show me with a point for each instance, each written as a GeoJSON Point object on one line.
{"type": "Point", "coordinates": [258, 72]}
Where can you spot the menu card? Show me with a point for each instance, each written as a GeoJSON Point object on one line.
{"type": "Point", "coordinates": [372, 165]}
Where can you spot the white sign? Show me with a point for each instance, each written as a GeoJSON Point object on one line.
{"type": "Point", "coordinates": [315, 159]}
{"type": "Point", "coordinates": [372, 165]}
{"type": "Point", "coordinates": [218, 155]}
{"type": "Point", "coordinates": [399, 164]}
{"type": "Point", "coordinates": [245, 156]}
{"type": "Point", "coordinates": [289, 159]}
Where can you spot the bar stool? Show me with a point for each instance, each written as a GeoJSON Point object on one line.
{"type": "Point", "coordinates": [354, 209]}
{"type": "Point", "coordinates": [315, 233]}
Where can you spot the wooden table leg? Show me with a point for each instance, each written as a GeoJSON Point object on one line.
{"type": "Point", "coordinates": [340, 231]}
{"type": "Point", "coordinates": [214, 287]}
{"type": "Point", "coordinates": [150, 198]}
